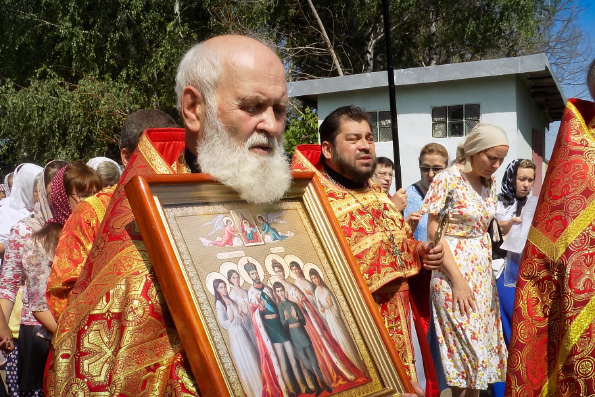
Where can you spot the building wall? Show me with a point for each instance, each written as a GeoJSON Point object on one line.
{"type": "Point", "coordinates": [531, 124]}
{"type": "Point", "coordinates": [497, 97]}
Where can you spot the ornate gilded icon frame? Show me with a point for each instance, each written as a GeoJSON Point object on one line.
{"type": "Point", "coordinates": [178, 217]}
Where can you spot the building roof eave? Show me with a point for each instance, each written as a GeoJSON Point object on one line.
{"type": "Point", "coordinates": [536, 69]}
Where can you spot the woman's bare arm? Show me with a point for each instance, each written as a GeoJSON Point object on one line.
{"type": "Point", "coordinates": [463, 297]}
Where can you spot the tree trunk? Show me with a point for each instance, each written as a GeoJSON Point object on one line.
{"type": "Point", "coordinates": [326, 39]}
{"type": "Point", "coordinates": [432, 50]}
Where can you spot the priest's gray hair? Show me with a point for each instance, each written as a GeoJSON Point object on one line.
{"type": "Point", "coordinates": [201, 69]}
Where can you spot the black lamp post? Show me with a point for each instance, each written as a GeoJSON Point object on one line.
{"type": "Point", "coordinates": [391, 96]}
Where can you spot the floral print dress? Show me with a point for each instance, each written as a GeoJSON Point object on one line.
{"type": "Point", "coordinates": [472, 348]}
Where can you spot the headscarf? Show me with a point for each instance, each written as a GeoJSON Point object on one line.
{"type": "Point", "coordinates": [96, 161]}
{"type": "Point", "coordinates": [42, 212]}
{"type": "Point", "coordinates": [483, 136]}
{"type": "Point", "coordinates": [21, 196]}
{"type": "Point", "coordinates": [20, 203]}
{"type": "Point", "coordinates": [59, 199]}
{"type": "Point", "coordinates": [6, 185]}
{"type": "Point", "coordinates": [508, 194]}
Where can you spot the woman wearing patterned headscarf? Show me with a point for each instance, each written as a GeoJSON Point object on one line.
{"type": "Point", "coordinates": [516, 186]}
{"type": "Point", "coordinates": [8, 180]}
{"type": "Point", "coordinates": [517, 183]}
{"type": "Point", "coordinates": [11, 279]}
{"type": "Point", "coordinates": [71, 184]}
{"type": "Point", "coordinates": [466, 316]}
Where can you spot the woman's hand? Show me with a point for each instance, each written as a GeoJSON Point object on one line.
{"type": "Point", "coordinates": [506, 225]}
{"type": "Point", "coordinates": [6, 343]}
{"type": "Point", "coordinates": [413, 219]}
{"type": "Point", "coordinates": [463, 298]}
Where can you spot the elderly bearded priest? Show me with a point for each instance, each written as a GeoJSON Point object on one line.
{"type": "Point", "coordinates": [379, 237]}
{"type": "Point", "coordinates": [116, 336]}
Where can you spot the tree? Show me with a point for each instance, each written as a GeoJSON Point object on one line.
{"type": "Point", "coordinates": [71, 70]}
{"type": "Point", "coordinates": [74, 69]}
{"type": "Point", "coordinates": [302, 127]}
{"type": "Point", "coordinates": [424, 32]}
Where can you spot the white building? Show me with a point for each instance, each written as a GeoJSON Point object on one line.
{"type": "Point", "coordinates": [441, 103]}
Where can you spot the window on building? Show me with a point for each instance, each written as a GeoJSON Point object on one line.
{"type": "Point", "coordinates": [454, 121]}
{"type": "Point", "coordinates": [381, 125]}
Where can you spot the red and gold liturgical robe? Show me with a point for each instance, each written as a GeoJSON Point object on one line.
{"type": "Point", "coordinates": [73, 248]}
{"type": "Point", "coordinates": [552, 346]}
{"type": "Point", "coordinates": [368, 219]}
{"type": "Point", "coordinates": [115, 336]}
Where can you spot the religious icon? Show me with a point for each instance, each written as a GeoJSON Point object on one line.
{"type": "Point", "coordinates": [270, 233]}
{"type": "Point", "coordinates": [270, 302]}
{"type": "Point", "coordinates": [230, 236]}
{"type": "Point", "coordinates": [232, 319]}
{"type": "Point", "coordinates": [249, 233]}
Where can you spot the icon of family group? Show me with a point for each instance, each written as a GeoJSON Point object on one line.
{"type": "Point", "coordinates": [269, 296]}
{"type": "Point", "coordinates": [285, 323]}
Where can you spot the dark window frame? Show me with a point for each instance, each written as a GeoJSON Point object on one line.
{"type": "Point", "coordinates": [382, 130]}
{"type": "Point", "coordinates": [452, 121]}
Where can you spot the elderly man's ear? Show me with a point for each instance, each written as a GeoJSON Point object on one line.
{"type": "Point", "coordinates": [193, 109]}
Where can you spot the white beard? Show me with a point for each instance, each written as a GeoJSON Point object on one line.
{"type": "Point", "coordinates": [257, 178]}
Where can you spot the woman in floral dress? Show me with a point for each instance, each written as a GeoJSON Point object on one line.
{"type": "Point", "coordinates": [464, 296]}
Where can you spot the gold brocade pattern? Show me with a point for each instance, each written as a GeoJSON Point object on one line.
{"type": "Point", "coordinates": [578, 326]}
{"type": "Point", "coordinates": [577, 226]}
{"type": "Point", "coordinates": [394, 308]}
{"type": "Point", "coordinates": [154, 159]}
{"type": "Point", "coordinates": [97, 206]}
{"type": "Point", "coordinates": [367, 218]}
{"type": "Point", "coordinates": [133, 261]}
{"type": "Point", "coordinates": [552, 348]}
{"type": "Point", "coordinates": [116, 337]}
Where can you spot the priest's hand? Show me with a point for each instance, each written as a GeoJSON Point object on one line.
{"type": "Point", "coordinates": [431, 257]}
{"type": "Point", "coordinates": [400, 199]}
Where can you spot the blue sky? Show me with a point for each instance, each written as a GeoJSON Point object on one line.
{"type": "Point", "coordinates": [587, 24]}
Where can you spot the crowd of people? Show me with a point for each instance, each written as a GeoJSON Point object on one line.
{"type": "Point", "coordinates": [82, 311]}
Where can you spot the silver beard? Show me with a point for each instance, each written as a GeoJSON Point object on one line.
{"type": "Point", "coordinates": [258, 179]}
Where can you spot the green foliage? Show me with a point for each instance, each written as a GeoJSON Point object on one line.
{"type": "Point", "coordinates": [54, 119]}
{"type": "Point", "coordinates": [303, 128]}
{"type": "Point", "coordinates": [71, 70]}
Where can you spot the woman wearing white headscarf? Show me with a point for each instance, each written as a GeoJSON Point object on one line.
{"type": "Point", "coordinates": [5, 187]}
{"type": "Point", "coordinates": [108, 170]}
{"type": "Point", "coordinates": [466, 315]}
{"type": "Point", "coordinates": [12, 279]}
{"type": "Point", "coordinates": [20, 203]}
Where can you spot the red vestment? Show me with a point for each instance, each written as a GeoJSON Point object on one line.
{"type": "Point", "coordinates": [368, 218]}
{"type": "Point", "coordinates": [552, 346]}
{"type": "Point", "coordinates": [115, 336]}
{"type": "Point", "coordinates": [73, 248]}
